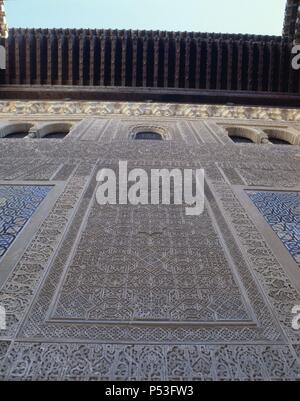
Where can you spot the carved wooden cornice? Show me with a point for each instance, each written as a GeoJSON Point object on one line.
{"type": "Point", "coordinates": [291, 28]}
{"type": "Point", "coordinates": [140, 59]}
{"type": "Point", "coordinates": [149, 59]}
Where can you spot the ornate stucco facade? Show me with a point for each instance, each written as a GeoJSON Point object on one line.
{"type": "Point", "coordinates": [126, 292]}
{"type": "Point", "coordinates": [123, 292]}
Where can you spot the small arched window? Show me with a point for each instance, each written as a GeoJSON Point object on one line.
{"type": "Point", "coordinates": [242, 134]}
{"type": "Point", "coordinates": [240, 139]}
{"type": "Point", "coordinates": [17, 135]}
{"type": "Point", "coordinates": [280, 136]}
{"type": "Point", "coordinates": [56, 135]}
{"type": "Point", "coordinates": [15, 130]}
{"type": "Point", "coordinates": [148, 135]}
{"type": "Point", "coordinates": [53, 130]}
{"type": "Point", "coordinates": [278, 141]}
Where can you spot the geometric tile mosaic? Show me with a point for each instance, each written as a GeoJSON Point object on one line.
{"type": "Point", "coordinates": [17, 205]}
{"type": "Point", "coordinates": [281, 210]}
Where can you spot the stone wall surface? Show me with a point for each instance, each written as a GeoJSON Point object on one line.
{"type": "Point", "coordinates": [145, 292]}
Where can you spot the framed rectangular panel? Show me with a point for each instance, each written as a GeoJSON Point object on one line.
{"type": "Point", "coordinates": [281, 211]}
{"type": "Point", "coordinates": [276, 214]}
{"type": "Point", "coordinates": [23, 206]}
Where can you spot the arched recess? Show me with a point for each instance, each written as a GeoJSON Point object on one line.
{"type": "Point", "coordinates": [15, 130]}
{"type": "Point", "coordinates": [281, 136]}
{"type": "Point", "coordinates": [243, 135]}
{"type": "Point", "coordinates": [53, 130]}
